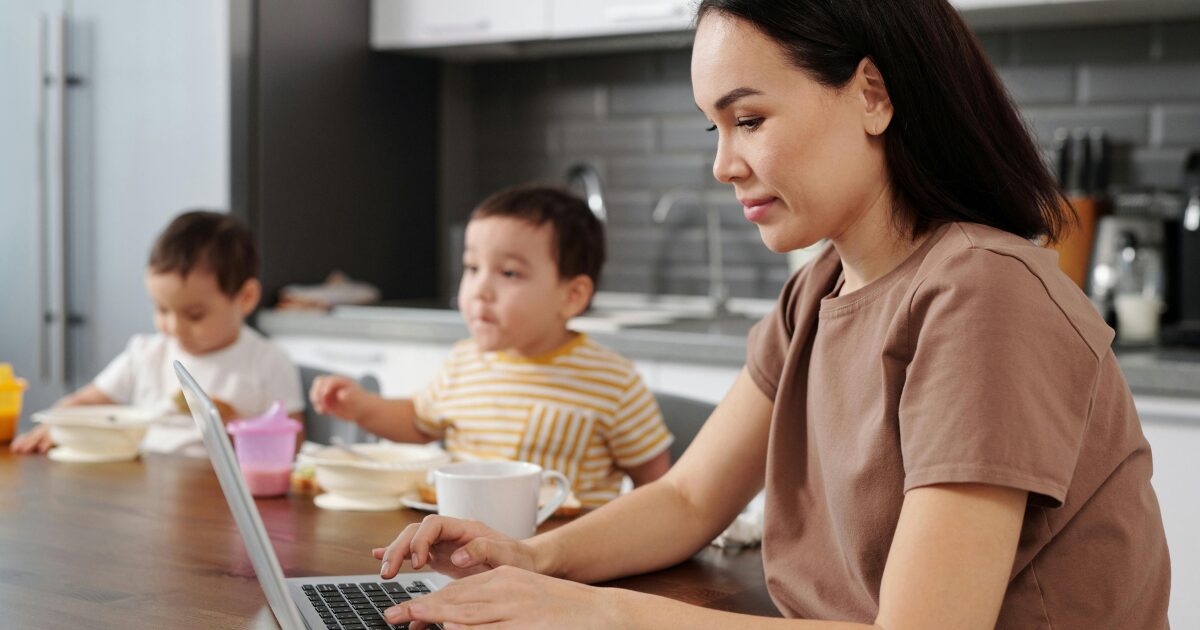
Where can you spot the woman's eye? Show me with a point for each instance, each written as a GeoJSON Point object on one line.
{"type": "Point", "coordinates": [750, 124]}
{"type": "Point", "coordinates": [509, 273]}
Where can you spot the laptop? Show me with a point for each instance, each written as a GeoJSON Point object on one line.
{"type": "Point", "coordinates": [346, 602]}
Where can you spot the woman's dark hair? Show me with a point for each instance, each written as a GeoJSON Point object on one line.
{"type": "Point", "coordinates": [578, 235]}
{"type": "Point", "coordinates": [956, 148]}
{"type": "Point", "coordinates": [214, 241]}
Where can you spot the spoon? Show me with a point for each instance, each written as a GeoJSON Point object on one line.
{"type": "Point", "coordinates": [337, 442]}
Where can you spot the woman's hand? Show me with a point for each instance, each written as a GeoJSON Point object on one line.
{"type": "Point", "coordinates": [453, 547]}
{"type": "Point", "coordinates": [339, 396]}
{"type": "Point", "coordinates": [510, 597]}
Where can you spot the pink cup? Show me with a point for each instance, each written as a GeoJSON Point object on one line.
{"type": "Point", "coordinates": [265, 449]}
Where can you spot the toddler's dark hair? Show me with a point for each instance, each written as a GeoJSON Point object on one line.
{"type": "Point", "coordinates": [578, 235]}
{"type": "Point", "coordinates": [214, 241]}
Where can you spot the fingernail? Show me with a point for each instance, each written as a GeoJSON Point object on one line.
{"type": "Point", "coordinates": [414, 560]}
{"type": "Point", "coordinates": [460, 557]}
{"type": "Point", "coordinates": [383, 568]}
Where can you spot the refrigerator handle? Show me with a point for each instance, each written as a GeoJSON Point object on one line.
{"type": "Point", "coordinates": [63, 308]}
{"type": "Point", "coordinates": [43, 203]}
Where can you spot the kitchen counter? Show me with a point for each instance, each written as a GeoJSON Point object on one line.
{"type": "Point", "coordinates": [1167, 372]}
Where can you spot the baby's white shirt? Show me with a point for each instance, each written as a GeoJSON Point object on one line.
{"type": "Point", "coordinates": [250, 374]}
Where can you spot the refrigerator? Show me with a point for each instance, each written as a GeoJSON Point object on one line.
{"type": "Point", "coordinates": [114, 117]}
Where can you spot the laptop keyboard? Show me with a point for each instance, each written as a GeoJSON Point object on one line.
{"type": "Point", "coordinates": [352, 606]}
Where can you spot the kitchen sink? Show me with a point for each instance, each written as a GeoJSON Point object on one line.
{"type": "Point", "coordinates": [618, 311]}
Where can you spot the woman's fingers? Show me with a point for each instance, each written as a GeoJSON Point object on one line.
{"type": "Point", "coordinates": [468, 601]}
{"type": "Point", "coordinates": [394, 554]}
{"type": "Point", "coordinates": [488, 552]}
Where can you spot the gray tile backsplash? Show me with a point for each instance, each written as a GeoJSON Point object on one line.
{"type": "Point", "coordinates": [632, 115]}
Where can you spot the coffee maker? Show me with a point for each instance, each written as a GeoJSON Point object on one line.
{"type": "Point", "coordinates": [1181, 321]}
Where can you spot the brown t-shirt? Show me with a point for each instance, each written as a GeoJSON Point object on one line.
{"type": "Point", "coordinates": [975, 360]}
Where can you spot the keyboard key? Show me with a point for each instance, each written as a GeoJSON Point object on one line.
{"type": "Point", "coordinates": [308, 587]}
{"type": "Point", "coordinates": [420, 586]}
{"type": "Point", "coordinates": [392, 587]}
{"type": "Point", "coordinates": [332, 624]}
{"type": "Point", "coordinates": [325, 588]}
{"type": "Point", "coordinates": [370, 586]}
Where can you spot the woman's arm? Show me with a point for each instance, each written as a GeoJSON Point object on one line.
{"type": "Point", "coordinates": [666, 521]}
{"type": "Point", "coordinates": [659, 524]}
{"type": "Point", "coordinates": [949, 566]}
{"type": "Point", "coordinates": [650, 470]}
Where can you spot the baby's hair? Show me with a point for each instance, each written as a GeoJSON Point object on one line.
{"type": "Point", "coordinates": [214, 241]}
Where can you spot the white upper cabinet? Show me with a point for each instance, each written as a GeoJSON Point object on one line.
{"type": "Point", "coordinates": [438, 23]}
{"type": "Point", "coordinates": [584, 18]}
{"type": "Point", "coordinates": [446, 24]}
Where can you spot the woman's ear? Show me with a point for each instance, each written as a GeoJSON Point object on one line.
{"type": "Point", "coordinates": [248, 296]}
{"type": "Point", "coordinates": [877, 106]}
{"type": "Point", "coordinates": [578, 295]}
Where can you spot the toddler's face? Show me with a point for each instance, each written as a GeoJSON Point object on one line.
{"type": "Point", "coordinates": [511, 295]}
{"type": "Point", "coordinates": [195, 312]}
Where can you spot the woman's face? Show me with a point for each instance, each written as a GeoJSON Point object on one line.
{"type": "Point", "coordinates": [801, 157]}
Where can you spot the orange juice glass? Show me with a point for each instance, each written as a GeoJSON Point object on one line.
{"type": "Point", "coordinates": [11, 389]}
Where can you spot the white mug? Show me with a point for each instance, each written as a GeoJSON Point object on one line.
{"type": "Point", "coordinates": [501, 495]}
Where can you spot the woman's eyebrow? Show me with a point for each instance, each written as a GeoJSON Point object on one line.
{"type": "Point", "coordinates": [733, 95]}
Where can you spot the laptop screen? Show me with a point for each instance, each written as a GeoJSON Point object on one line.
{"type": "Point", "coordinates": [241, 503]}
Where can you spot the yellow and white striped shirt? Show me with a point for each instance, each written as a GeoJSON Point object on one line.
{"type": "Point", "coordinates": [582, 410]}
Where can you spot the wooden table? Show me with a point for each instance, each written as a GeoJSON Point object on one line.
{"type": "Point", "coordinates": [151, 544]}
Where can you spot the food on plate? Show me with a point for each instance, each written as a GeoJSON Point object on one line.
{"type": "Point", "coordinates": [224, 408]}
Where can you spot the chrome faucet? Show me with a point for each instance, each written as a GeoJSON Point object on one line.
{"type": "Point", "coordinates": [718, 292]}
{"type": "Point", "coordinates": [593, 191]}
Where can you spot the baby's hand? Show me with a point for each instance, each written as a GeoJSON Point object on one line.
{"type": "Point", "coordinates": [339, 396]}
{"type": "Point", "coordinates": [35, 440]}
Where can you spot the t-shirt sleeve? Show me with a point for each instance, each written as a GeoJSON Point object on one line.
{"type": "Point", "coordinates": [638, 433]}
{"type": "Point", "coordinates": [999, 385]}
{"type": "Point", "coordinates": [116, 380]}
{"type": "Point", "coordinates": [281, 381]}
{"type": "Point", "coordinates": [425, 403]}
{"type": "Point", "coordinates": [768, 341]}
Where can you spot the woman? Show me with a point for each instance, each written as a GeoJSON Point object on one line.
{"type": "Point", "coordinates": [943, 433]}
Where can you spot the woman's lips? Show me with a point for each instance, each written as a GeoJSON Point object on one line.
{"type": "Point", "coordinates": [756, 209]}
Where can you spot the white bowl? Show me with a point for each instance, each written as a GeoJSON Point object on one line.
{"type": "Point", "coordinates": [397, 470]}
{"type": "Point", "coordinates": [98, 432]}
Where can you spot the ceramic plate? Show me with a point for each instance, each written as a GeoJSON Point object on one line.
{"type": "Point", "coordinates": [413, 500]}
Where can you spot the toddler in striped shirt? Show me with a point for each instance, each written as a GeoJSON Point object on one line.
{"type": "Point", "coordinates": [524, 386]}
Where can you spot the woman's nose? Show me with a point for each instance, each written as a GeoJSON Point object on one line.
{"type": "Point", "coordinates": [728, 166]}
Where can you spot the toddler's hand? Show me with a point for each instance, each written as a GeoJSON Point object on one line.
{"type": "Point", "coordinates": [35, 440]}
{"type": "Point", "coordinates": [339, 396]}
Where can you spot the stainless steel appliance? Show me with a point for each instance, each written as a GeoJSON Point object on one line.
{"type": "Point", "coordinates": [1181, 323]}
{"type": "Point", "coordinates": [112, 120]}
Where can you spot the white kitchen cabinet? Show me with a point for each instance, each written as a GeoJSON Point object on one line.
{"type": "Point", "coordinates": [586, 18]}
{"type": "Point", "coordinates": [1173, 428]}
{"type": "Point", "coordinates": [444, 23]}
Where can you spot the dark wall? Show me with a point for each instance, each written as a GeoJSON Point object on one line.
{"type": "Point", "coordinates": [334, 162]}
